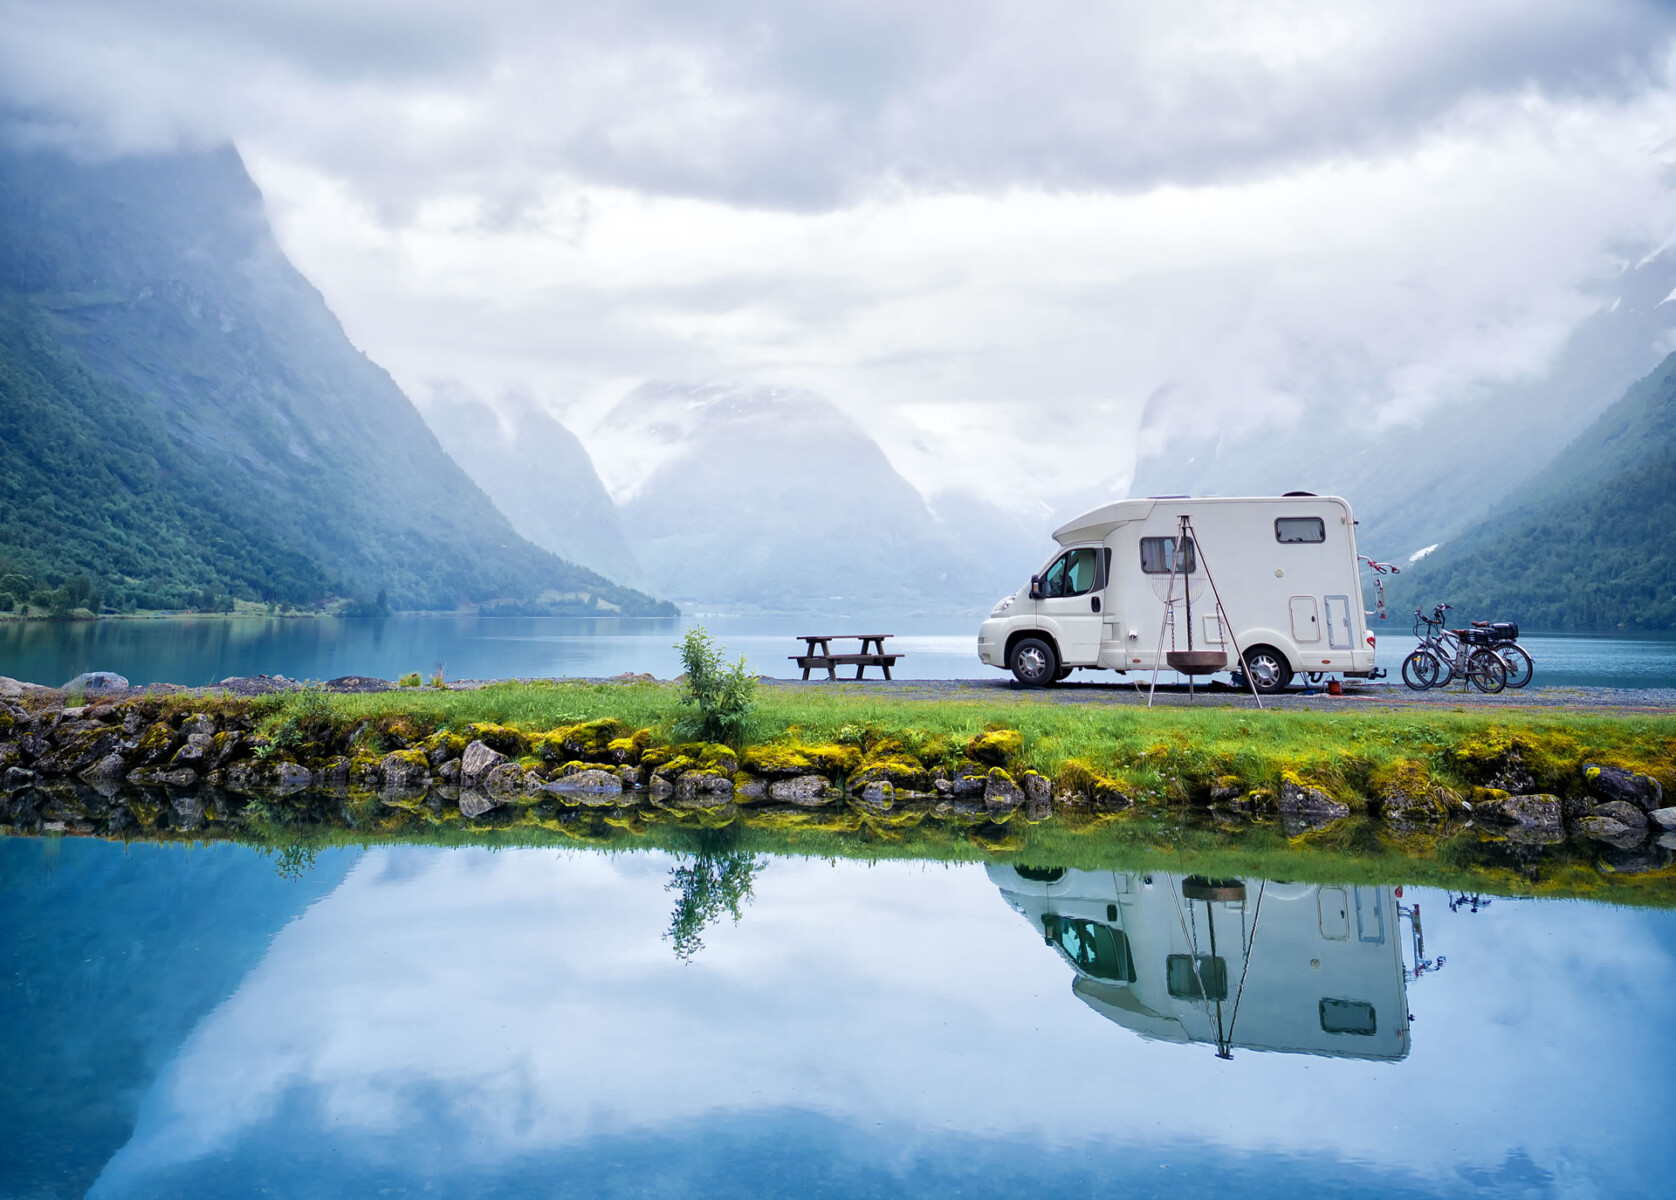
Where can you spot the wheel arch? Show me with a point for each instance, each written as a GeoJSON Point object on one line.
{"type": "Point", "coordinates": [1018, 635]}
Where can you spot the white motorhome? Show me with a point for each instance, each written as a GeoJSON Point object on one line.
{"type": "Point", "coordinates": [1285, 567]}
{"type": "Point", "coordinates": [1182, 959]}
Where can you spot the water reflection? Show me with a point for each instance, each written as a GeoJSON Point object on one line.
{"type": "Point", "coordinates": [1254, 964]}
{"type": "Point", "coordinates": [513, 1022]}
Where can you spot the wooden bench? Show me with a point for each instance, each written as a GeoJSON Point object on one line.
{"type": "Point", "coordinates": [818, 654]}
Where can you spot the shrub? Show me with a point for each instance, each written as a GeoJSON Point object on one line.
{"type": "Point", "coordinates": [723, 695]}
{"type": "Point", "coordinates": [411, 679]}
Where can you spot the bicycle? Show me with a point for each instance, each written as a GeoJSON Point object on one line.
{"type": "Point", "coordinates": [1504, 640]}
{"type": "Point", "coordinates": [1445, 653]}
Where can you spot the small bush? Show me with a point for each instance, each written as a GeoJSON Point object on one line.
{"type": "Point", "coordinates": [411, 679]}
{"type": "Point", "coordinates": [723, 695]}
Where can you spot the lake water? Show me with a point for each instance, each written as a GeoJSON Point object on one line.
{"type": "Point", "coordinates": [414, 1020]}
{"type": "Point", "coordinates": [201, 650]}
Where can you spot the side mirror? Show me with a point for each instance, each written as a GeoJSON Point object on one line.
{"type": "Point", "coordinates": [1035, 587]}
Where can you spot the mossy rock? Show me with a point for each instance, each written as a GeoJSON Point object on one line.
{"type": "Point", "coordinates": [502, 738]}
{"type": "Point", "coordinates": [787, 760]}
{"type": "Point", "coordinates": [590, 740]}
{"type": "Point", "coordinates": [898, 770]}
{"type": "Point", "coordinates": [1405, 789]}
{"type": "Point", "coordinates": [628, 750]}
{"type": "Point", "coordinates": [996, 747]}
{"type": "Point", "coordinates": [449, 743]}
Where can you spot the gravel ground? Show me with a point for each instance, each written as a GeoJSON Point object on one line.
{"type": "Point", "coordinates": [1356, 693]}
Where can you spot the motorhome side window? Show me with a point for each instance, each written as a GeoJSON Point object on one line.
{"type": "Point", "coordinates": [1072, 574]}
{"type": "Point", "coordinates": [1290, 530]}
{"type": "Point", "coordinates": [1158, 556]}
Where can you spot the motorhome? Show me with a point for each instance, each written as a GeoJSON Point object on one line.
{"type": "Point", "coordinates": [1127, 592]}
{"type": "Point", "coordinates": [1239, 964]}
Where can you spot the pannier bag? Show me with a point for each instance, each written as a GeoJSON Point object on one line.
{"type": "Point", "coordinates": [1504, 631]}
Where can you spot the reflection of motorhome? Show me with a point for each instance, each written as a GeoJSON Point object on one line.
{"type": "Point", "coordinates": [1284, 566]}
{"type": "Point", "coordinates": [1297, 968]}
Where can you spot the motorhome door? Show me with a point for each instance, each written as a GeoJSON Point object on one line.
{"type": "Point", "coordinates": [1072, 591]}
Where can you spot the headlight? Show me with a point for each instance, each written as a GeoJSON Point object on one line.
{"type": "Point", "coordinates": [1001, 607]}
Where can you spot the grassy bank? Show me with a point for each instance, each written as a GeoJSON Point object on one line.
{"type": "Point", "coordinates": [1170, 753]}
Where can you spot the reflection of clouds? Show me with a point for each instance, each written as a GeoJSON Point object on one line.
{"type": "Point", "coordinates": [534, 994]}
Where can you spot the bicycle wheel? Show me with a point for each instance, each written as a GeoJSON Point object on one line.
{"type": "Point", "coordinates": [1519, 664]}
{"type": "Point", "coordinates": [1486, 671]}
{"type": "Point", "coordinates": [1422, 669]}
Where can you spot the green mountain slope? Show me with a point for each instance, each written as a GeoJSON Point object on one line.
{"type": "Point", "coordinates": [1590, 544]}
{"type": "Point", "coordinates": [184, 412]}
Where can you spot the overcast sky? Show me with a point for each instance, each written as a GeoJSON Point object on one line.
{"type": "Point", "coordinates": [989, 231]}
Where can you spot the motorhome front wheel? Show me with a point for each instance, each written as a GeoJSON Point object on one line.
{"type": "Point", "coordinates": [1034, 663]}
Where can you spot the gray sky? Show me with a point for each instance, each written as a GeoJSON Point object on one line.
{"type": "Point", "coordinates": [990, 231]}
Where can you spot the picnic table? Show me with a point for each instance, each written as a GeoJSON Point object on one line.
{"type": "Point", "coordinates": [818, 653]}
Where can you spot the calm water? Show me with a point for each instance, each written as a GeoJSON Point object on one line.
{"type": "Point", "coordinates": [205, 650]}
{"type": "Point", "coordinates": [515, 1023]}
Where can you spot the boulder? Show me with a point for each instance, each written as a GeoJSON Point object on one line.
{"type": "Point", "coordinates": [1631, 787]}
{"type": "Point", "coordinates": [703, 789]}
{"type": "Point", "coordinates": [1623, 812]}
{"type": "Point", "coordinates": [593, 781]}
{"type": "Point", "coordinates": [15, 779]}
{"type": "Point", "coordinates": [1664, 818]}
{"type": "Point", "coordinates": [805, 790]}
{"type": "Point", "coordinates": [1538, 813]}
{"type": "Point", "coordinates": [199, 746]}
{"type": "Point", "coordinates": [504, 780]}
{"type": "Point", "coordinates": [1038, 796]}
{"type": "Point", "coordinates": [1303, 807]}
{"type": "Point", "coordinates": [198, 725]}
{"type": "Point", "coordinates": [404, 769]}
{"type": "Point", "coordinates": [286, 776]}
{"type": "Point", "coordinates": [877, 797]}
{"type": "Point", "coordinates": [449, 772]}
{"type": "Point", "coordinates": [477, 762]}
{"type": "Point", "coordinates": [475, 804]}
{"type": "Point", "coordinates": [109, 769]}
{"type": "Point", "coordinates": [1612, 831]}
{"type": "Point", "coordinates": [96, 681]}
{"type": "Point", "coordinates": [1001, 795]}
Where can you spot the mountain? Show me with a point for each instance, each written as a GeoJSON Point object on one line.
{"type": "Point", "coordinates": [183, 412]}
{"type": "Point", "coordinates": [771, 499]}
{"type": "Point", "coordinates": [1421, 483]}
{"type": "Point", "coordinates": [1590, 543]}
{"type": "Point", "coordinates": [539, 474]}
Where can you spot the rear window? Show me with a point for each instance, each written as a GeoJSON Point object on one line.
{"type": "Point", "coordinates": [1292, 530]}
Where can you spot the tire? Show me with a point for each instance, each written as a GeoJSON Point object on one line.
{"type": "Point", "coordinates": [1423, 669]}
{"type": "Point", "coordinates": [1034, 662]}
{"type": "Point", "coordinates": [1486, 671]}
{"type": "Point", "coordinates": [1518, 662]}
{"type": "Point", "coordinates": [1267, 669]}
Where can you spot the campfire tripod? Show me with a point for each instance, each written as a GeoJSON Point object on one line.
{"type": "Point", "coordinates": [1191, 662]}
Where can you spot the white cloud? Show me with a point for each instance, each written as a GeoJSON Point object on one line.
{"type": "Point", "coordinates": [991, 233]}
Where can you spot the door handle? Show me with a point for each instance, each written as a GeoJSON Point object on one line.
{"type": "Point", "coordinates": [1096, 603]}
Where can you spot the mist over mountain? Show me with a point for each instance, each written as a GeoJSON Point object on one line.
{"type": "Point", "coordinates": [538, 474]}
{"type": "Point", "coordinates": [1426, 480]}
{"type": "Point", "coordinates": [771, 499]}
{"type": "Point", "coordinates": [1588, 543]}
{"type": "Point", "coordinates": [184, 412]}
